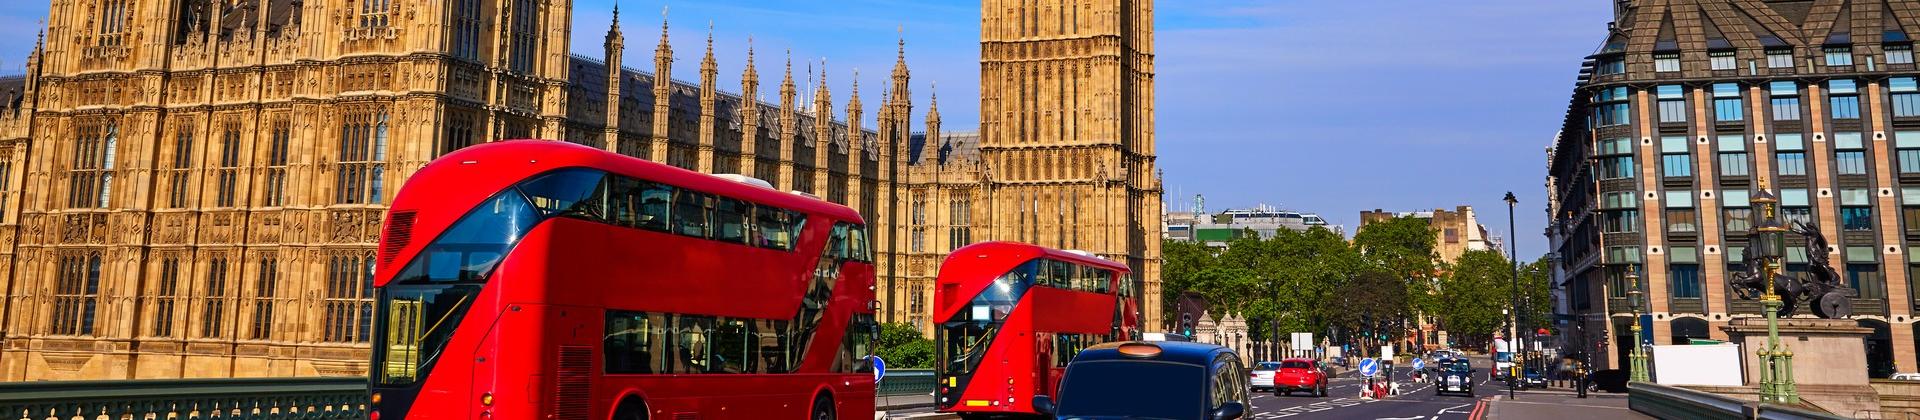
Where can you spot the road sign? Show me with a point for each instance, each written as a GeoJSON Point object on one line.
{"type": "Point", "coordinates": [1369, 367]}
{"type": "Point", "coordinates": [1386, 352]}
{"type": "Point", "coordinates": [1419, 363]}
{"type": "Point", "coordinates": [879, 368]}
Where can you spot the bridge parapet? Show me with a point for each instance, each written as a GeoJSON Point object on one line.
{"type": "Point", "coordinates": [248, 398]}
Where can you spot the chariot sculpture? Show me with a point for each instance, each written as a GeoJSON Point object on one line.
{"type": "Point", "coordinates": [1819, 286]}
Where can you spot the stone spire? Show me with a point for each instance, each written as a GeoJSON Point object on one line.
{"type": "Point", "coordinates": [662, 94]}
{"type": "Point", "coordinates": [899, 109]}
{"type": "Point", "coordinates": [789, 128]}
{"type": "Point", "coordinates": [709, 97]}
{"type": "Point", "coordinates": [750, 79]}
{"type": "Point", "coordinates": [787, 88]}
{"type": "Point", "coordinates": [822, 97]}
{"type": "Point", "coordinates": [854, 109]}
{"type": "Point", "coordinates": [749, 116]}
{"type": "Point", "coordinates": [616, 47]}
{"type": "Point", "coordinates": [930, 148]}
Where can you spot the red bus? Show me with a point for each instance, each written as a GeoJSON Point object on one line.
{"type": "Point", "coordinates": [541, 279]}
{"type": "Point", "coordinates": [1012, 315]}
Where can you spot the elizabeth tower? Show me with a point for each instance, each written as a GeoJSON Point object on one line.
{"type": "Point", "coordinates": [1066, 115]}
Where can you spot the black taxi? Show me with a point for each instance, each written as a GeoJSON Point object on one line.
{"type": "Point", "coordinates": [1151, 380]}
{"type": "Point", "coordinates": [1453, 375]}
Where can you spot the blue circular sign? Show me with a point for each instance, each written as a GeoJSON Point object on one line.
{"type": "Point", "coordinates": [1419, 363]}
{"type": "Point", "coordinates": [1369, 367]}
{"type": "Point", "coordinates": [879, 368]}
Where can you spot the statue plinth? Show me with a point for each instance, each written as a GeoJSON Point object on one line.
{"type": "Point", "coordinates": [1829, 358]}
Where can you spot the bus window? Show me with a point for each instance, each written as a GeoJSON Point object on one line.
{"type": "Point", "coordinates": [468, 250]}
{"type": "Point", "coordinates": [623, 201]}
{"type": "Point", "coordinates": [857, 244]}
{"type": "Point", "coordinates": [691, 344]}
{"type": "Point", "coordinates": [655, 202]}
{"type": "Point", "coordinates": [730, 220]}
{"type": "Point", "coordinates": [690, 213]}
{"type": "Point", "coordinates": [778, 228]}
{"type": "Point", "coordinates": [771, 338]}
{"type": "Point", "coordinates": [566, 191]}
{"type": "Point", "coordinates": [633, 342]}
{"type": "Point", "coordinates": [730, 347]}
{"type": "Point", "coordinates": [837, 245]}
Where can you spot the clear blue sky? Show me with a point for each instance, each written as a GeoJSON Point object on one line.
{"type": "Point", "coordinates": [1328, 106]}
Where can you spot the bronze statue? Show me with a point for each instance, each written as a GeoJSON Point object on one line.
{"type": "Point", "coordinates": [1821, 285]}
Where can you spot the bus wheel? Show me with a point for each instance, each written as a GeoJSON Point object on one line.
{"type": "Point", "coordinates": [822, 408]}
{"type": "Point", "coordinates": [631, 409]}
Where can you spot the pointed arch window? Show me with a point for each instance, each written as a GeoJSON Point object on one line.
{"type": "Point", "coordinates": [525, 23]}
{"type": "Point", "coordinates": [213, 315]}
{"type": "Point", "coordinates": [275, 185]}
{"type": "Point", "coordinates": [90, 177]}
{"type": "Point", "coordinates": [166, 296]}
{"type": "Point", "coordinates": [227, 175]}
{"type": "Point", "coordinates": [180, 165]}
{"type": "Point", "coordinates": [349, 298]}
{"type": "Point", "coordinates": [466, 30]}
{"type": "Point", "coordinates": [360, 170]}
{"type": "Point", "coordinates": [112, 22]}
{"type": "Point", "coordinates": [372, 13]}
{"type": "Point", "coordinates": [76, 294]}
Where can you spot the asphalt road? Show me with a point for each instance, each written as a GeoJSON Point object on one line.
{"type": "Point", "coordinates": [1415, 402]}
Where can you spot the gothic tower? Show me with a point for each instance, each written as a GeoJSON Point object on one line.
{"type": "Point", "coordinates": [1066, 114]}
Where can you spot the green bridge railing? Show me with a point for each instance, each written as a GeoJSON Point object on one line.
{"type": "Point", "coordinates": [906, 382]}
{"type": "Point", "coordinates": [235, 398]}
{"type": "Point", "coordinates": [248, 398]}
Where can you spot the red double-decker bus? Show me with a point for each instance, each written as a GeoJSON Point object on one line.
{"type": "Point", "coordinates": [540, 279]}
{"type": "Point", "coordinates": [1012, 315]}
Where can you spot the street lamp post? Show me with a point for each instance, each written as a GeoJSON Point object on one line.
{"type": "Point", "coordinates": [1513, 246]}
{"type": "Point", "coordinates": [1638, 358]}
{"type": "Point", "coordinates": [1776, 362]}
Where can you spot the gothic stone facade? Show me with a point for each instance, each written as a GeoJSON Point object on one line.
{"type": "Point", "coordinates": [193, 188]}
{"type": "Point", "coordinates": [1687, 108]}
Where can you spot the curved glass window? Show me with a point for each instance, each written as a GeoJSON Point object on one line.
{"type": "Point", "coordinates": [570, 192]}
{"type": "Point", "coordinates": [967, 336]}
{"type": "Point", "coordinates": [468, 251]}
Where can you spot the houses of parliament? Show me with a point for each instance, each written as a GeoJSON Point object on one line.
{"type": "Point", "coordinates": [194, 188]}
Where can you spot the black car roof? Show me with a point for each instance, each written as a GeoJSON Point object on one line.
{"type": "Point", "coordinates": [1170, 351]}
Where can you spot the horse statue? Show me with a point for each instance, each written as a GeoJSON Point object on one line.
{"type": "Point", "coordinates": [1819, 286]}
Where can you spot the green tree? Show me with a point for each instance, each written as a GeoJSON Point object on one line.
{"type": "Point", "coordinates": [1472, 295]}
{"type": "Point", "coordinates": [903, 347]}
{"type": "Point", "coordinates": [1180, 267]}
{"type": "Point", "coordinates": [1404, 246]}
{"type": "Point", "coordinates": [1536, 293]}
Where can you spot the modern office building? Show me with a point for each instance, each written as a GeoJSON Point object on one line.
{"type": "Point", "coordinates": [1216, 229]}
{"type": "Point", "coordinates": [1690, 106]}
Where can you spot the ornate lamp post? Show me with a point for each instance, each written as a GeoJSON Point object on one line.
{"type": "Point", "coordinates": [1638, 359]}
{"type": "Point", "coordinates": [1769, 240]}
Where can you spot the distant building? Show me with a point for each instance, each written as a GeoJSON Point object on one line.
{"type": "Point", "coordinates": [1219, 228]}
{"type": "Point", "coordinates": [1455, 232]}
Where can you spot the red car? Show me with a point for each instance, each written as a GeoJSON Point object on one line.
{"type": "Point", "coordinates": [1299, 374]}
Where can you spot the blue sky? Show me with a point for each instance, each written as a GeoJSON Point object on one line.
{"type": "Point", "coordinates": [1327, 106]}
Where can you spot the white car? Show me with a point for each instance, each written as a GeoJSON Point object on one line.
{"type": "Point", "coordinates": [1897, 376]}
{"type": "Point", "coordinates": [1263, 375]}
